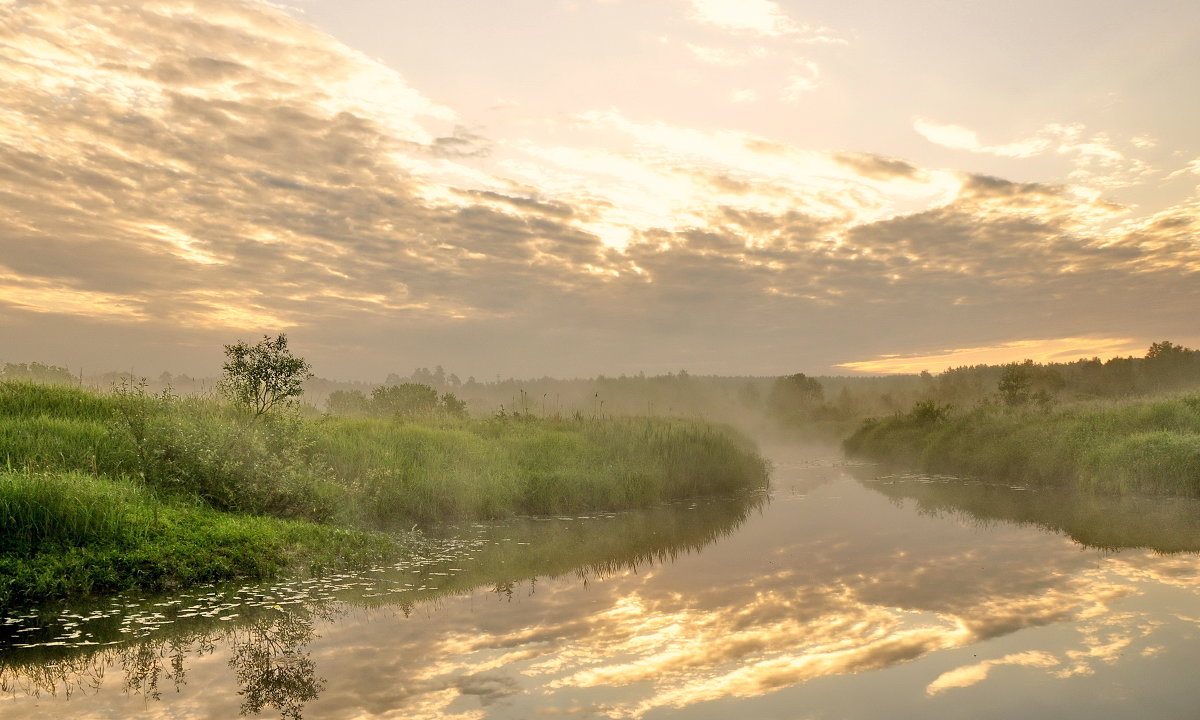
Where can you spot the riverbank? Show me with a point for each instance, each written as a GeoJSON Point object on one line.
{"type": "Point", "coordinates": [104, 493]}
{"type": "Point", "coordinates": [1144, 445]}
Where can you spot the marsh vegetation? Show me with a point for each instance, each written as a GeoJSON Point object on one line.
{"type": "Point", "coordinates": [105, 492]}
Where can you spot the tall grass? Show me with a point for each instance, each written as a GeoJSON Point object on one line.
{"type": "Point", "coordinates": [70, 533]}
{"type": "Point", "coordinates": [506, 466]}
{"type": "Point", "coordinates": [96, 490]}
{"type": "Point", "coordinates": [1136, 446]}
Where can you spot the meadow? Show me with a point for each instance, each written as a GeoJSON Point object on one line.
{"type": "Point", "coordinates": [104, 492]}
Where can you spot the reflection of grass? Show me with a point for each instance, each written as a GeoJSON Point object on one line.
{"type": "Point", "coordinates": [266, 641]}
{"type": "Point", "coordinates": [1163, 524]}
{"type": "Point", "coordinates": [107, 492]}
{"type": "Point", "coordinates": [597, 546]}
{"type": "Point", "coordinates": [1146, 446]}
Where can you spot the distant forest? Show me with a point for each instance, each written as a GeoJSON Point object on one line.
{"type": "Point", "coordinates": [790, 401]}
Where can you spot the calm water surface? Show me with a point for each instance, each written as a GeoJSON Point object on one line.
{"type": "Point", "coordinates": [845, 593]}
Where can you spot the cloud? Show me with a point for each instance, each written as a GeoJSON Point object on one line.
{"type": "Point", "coordinates": [192, 171]}
{"type": "Point", "coordinates": [877, 167]}
{"type": "Point", "coordinates": [799, 83]}
{"type": "Point", "coordinates": [973, 674]}
{"type": "Point", "coordinates": [758, 17]}
{"type": "Point", "coordinates": [957, 137]}
{"type": "Point", "coordinates": [1048, 350]}
{"type": "Point", "coordinates": [1191, 168]}
{"type": "Point", "coordinates": [1096, 159]}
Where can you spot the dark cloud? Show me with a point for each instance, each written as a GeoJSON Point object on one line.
{"type": "Point", "coordinates": [194, 71]}
{"type": "Point", "coordinates": [877, 167]}
{"type": "Point", "coordinates": [461, 144]}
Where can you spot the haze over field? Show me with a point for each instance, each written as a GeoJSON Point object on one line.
{"type": "Point", "coordinates": [597, 186]}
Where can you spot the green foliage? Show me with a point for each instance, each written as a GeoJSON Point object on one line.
{"type": "Point", "coordinates": [39, 509]}
{"type": "Point", "coordinates": [926, 413]}
{"type": "Point", "coordinates": [1027, 382]}
{"type": "Point", "coordinates": [403, 401]}
{"type": "Point", "coordinates": [1146, 446]}
{"type": "Point", "coordinates": [107, 492]}
{"type": "Point", "coordinates": [520, 464]}
{"type": "Point", "coordinates": [452, 406]}
{"type": "Point", "coordinates": [347, 402]}
{"type": "Point", "coordinates": [794, 398]}
{"type": "Point", "coordinates": [36, 372]}
{"type": "Point", "coordinates": [406, 400]}
{"type": "Point", "coordinates": [64, 534]}
{"type": "Point", "coordinates": [264, 375]}
{"type": "Point", "coordinates": [23, 399]}
{"type": "Point", "coordinates": [1169, 366]}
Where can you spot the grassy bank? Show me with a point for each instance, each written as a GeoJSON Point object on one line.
{"type": "Point", "coordinates": [100, 493]}
{"type": "Point", "coordinates": [64, 534]}
{"type": "Point", "coordinates": [1135, 446]}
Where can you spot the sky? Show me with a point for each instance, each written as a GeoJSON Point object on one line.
{"type": "Point", "coordinates": [574, 187]}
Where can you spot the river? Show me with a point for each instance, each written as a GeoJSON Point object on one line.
{"type": "Point", "coordinates": [846, 592]}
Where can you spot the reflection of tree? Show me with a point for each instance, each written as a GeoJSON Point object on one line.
{"type": "Point", "coordinates": [271, 668]}
{"type": "Point", "coordinates": [65, 676]}
{"type": "Point", "coordinates": [144, 665]}
{"type": "Point", "coordinates": [267, 655]}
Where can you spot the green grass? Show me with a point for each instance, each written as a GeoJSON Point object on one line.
{"type": "Point", "coordinates": [511, 466]}
{"type": "Point", "coordinates": [68, 533]}
{"type": "Point", "coordinates": [102, 493]}
{"type": "Point", "coordinates": [1136, 446]}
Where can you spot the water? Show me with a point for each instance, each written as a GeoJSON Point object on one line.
{"type": "Point", "coordinates": [848, 593]}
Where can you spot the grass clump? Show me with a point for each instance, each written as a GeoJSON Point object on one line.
{"type": "Point", "coordinates": [510, 465]}
{"type": "Point", "coordinates": [100, 493]}
{"type": "Point", "coordinates": [1134, 446]}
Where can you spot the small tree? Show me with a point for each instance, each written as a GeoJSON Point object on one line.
{"type": "Point", "coordinates": [264, 375]}
{"type": "Point", "coordinates": [1014, 385]}
{"type": "Point", "coordinates": [1025, 382]}
{"type": "Point", "coordinates": [347, 402]}
{"type": "Point", "coordinates": [794, 398]}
